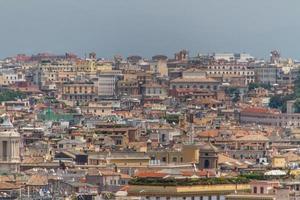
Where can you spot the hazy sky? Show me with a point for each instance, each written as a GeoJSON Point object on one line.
{"type": "Point", "coordinates": [149, 27]}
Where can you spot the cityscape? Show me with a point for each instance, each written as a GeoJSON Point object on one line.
{"type": "Point", "coordinates": [149, 100]}
{"type": "Point", "coordinates": [219, 126]}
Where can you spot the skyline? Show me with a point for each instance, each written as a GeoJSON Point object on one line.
{"type": "Point", "coordinates": [148, 28]}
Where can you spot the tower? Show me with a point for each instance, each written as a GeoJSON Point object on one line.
{"type": "Point", "coordinates": [9, 146]}
{"type": "Point", "coordinates": [208, 156]}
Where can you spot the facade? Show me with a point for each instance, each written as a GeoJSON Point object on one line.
{"type": "Point", "coordinates": [82, 92]}
{"type": "Point", "coordinates": [241, 70]}
{"type": "Point", "coordinates": [196, 83]}
{"type": "Point", "coordinates": [48, 72]}
{"type": "Point", "coordinates": [9, 147]}
{"type": "Point", "coordinates": [100, 108]}
{"type": "Point", "coordinates": [128, 88]}
{"type": "Point", "coordinates": [268, 117]}
{"type": "Point", "coordinates": [107, 82]}
{"type": "Point", "coordinates": [267, 74]}
{"type": "Point", "coordinates": [11, 76]}
{"type": "Point", "coordinates": [208, 157]}
{"type": "Point", "coordinates": [197, 192]}
{"type": "Point", "coordinates": [154, 90]}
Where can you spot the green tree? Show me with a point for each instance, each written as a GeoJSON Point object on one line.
{"type": "Point", "coordinates": [234, 93]}
{"type": "Point", "coordinates": [276, 102]}
{"type": "Point", "coordinates": [257, 85]}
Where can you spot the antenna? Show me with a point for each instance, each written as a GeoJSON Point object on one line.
{"type": "Point", "coordinates": [191, 135]}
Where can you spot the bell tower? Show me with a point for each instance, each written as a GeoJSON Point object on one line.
{"type": "Point", "coordinates": [9, 146]}
{"type": "Point", "coordinates": [208, 156]}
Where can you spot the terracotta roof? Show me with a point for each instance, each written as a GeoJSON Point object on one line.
{"type": "Point", "coordinates": [291, 157]}
{"type": "Point", "coordinates": [37, 180]}
{"type": "Point", "coordinates": [8, 186]}
{"type": "Point", "coordinates": [150, 174]}
{"type": "Point", "coordinates": [200, 173]}
{"type": "Point", "coordinates": [259, 110]}
{"type": "Point", "coordinates": [109, 173]}
{"type": "Point", "coordinates": [224, 159]}
{"type": "Point", "coordinates": [255, 137]}
{"type": "Point", "coordinates": [33, 160]}
{"type": "Point", "coordinates": [208, 133]}
{"type": "Point", "coordinates": [125, 176]}
{"type": "Point", "coordinates": [196, 80]}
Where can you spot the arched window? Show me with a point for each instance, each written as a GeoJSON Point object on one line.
{"type": "Point", "coordinates": [206, 164]}
{"type": "Point", "coordinates": [261, 190]}
{"type": "Point", "coordinates": [254, 190]}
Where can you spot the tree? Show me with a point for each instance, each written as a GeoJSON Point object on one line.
{"type": "Point", "coordinates": [276, 102]}
{"type": "Point", "coordinates": [266, 86]}
{"type": "Point", "coordinates": [234, 93]}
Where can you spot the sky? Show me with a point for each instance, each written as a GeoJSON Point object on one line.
{"type": "Point", "coordinates": [149, 27]}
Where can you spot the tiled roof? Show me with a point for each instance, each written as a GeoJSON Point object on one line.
{"type": "Point", "coordinates": [8, 186]}
{"type": "Point", "coordinates": [200, 80]}
{"type": "Point", "coordinates": [208, 133]}
{"type": "Point", "coordinates": [150, 174]}
{"type": "Point", "coordinates": [259, 110]}
{"type": "Point", "coordinates": [255, 137]}
{"type": "Point", "coordinates": [37, 180]}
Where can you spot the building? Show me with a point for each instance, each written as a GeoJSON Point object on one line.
{"type": "Point", "coordinates": [232, 69]}
{"type": "Point", "coordinates": [78, 92]}
{"type": "Point", "coordinates": [196, 83]}
{"type": "Point", "coordinates": [266, 74]}
{"type": "Point", "coordinates": [11, 76]}
{"type": "Point", "coordinates": [128, 88]}
{"type": "Point", "coordinates": [264, 116]}
{"type": "Point", "coordinates": [182, 190]}
{"type": "Point", "coordinates": [154, 90]}
{"type": "Point", "coordinates": [9, 146]}
{"type": "Point", "coordinates": [107, 82]}
{"type": "Point", "coordinates": [208, 157]}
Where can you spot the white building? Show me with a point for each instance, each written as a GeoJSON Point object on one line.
{"type": "Point", "coordinates": [239, 69]}
{"type": "Point", "coordinates": [107, 81]}
{"type": "Point", "coordinates": [11, 76]}
{"type": "Point", "coordinates": [238, 57]}
{"type": "Point", "coordinates": [9, 147]}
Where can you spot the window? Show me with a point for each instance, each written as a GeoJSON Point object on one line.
{"type": "Point", "coordinates": [4, 150]}
{"type": "Point", "coordinates": [254, 190]}
{"type": "Point", "coordinates": [206, 164]}
{"type": "Point", "coordinates": [261, 190]}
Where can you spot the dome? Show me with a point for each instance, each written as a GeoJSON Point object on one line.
{"type": "Point", "coordinates": [208, 147]}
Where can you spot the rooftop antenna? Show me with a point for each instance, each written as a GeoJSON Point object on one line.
{"type": "Point", "coordinates": [191, 124]}
{"type": "Point", "coordinates": [192, 133]}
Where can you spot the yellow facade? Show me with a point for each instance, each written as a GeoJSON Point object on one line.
{"type": "Point", "coordinates": [138, 162]}
{"type": "Point", "coordinates": [186, 190]}
{"type": "Point", "coordinates": [278, 162]}
{"type": "Point", "coordinates": [190, 153]}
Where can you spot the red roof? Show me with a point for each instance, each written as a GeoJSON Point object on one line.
{"type": "Point", "coordinates": [150, 174]}
{"type": "Point", "coordinates": [259, 110]}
